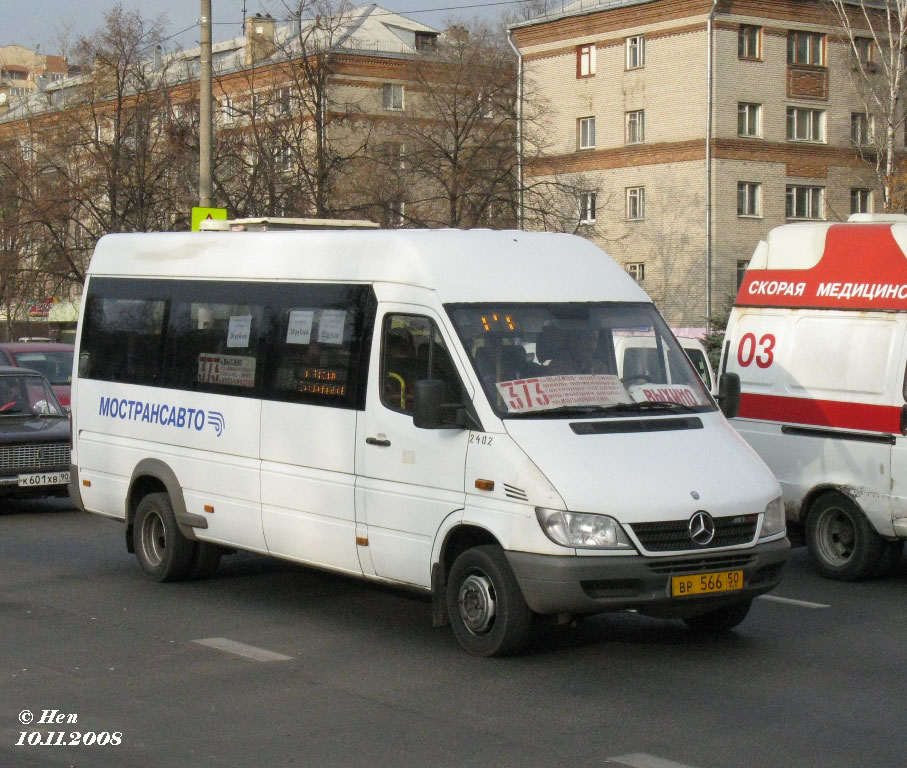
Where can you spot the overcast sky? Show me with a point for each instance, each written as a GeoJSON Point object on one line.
{"type": "Point", "coordinates": [39, 22]}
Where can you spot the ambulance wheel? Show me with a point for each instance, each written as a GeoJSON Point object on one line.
{"type": "Point", "coordinates": [842, 544]}
{"type": "Point", "coordinates": [721, 619]}
{"type": "Point", "coordinates": [162, 551]}
{"type": "Point", "coordinates": [488, 614]}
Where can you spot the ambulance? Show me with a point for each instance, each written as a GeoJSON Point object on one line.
{"type": "Point", "coordinates": [436, 410]}
{"type": "Point", "coordinates": [818, 337]}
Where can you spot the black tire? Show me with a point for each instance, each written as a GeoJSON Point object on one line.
{"type": "Point", "coordinates": [721, 619]}
{"type": "Point", "coordinates": [205, 560]}
{"type": "Point", "coordinates": [487, 611]}
{"type": "Point", "coordinates": [842, 544]}
{"type": "Point", "coordinates": [162, 551]}
{"type": "Point", "coordinates": [892, 553]}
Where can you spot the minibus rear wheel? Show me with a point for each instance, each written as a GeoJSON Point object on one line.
{"type": "Point", "coordinates": [841, 542]}
{"type": "Point", "coordinates": [488, 614]}
{"type": "Point", "coordinates": [162, 551]}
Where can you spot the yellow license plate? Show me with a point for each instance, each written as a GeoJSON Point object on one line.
{"type": "Point", "coordinates": [706, 583]}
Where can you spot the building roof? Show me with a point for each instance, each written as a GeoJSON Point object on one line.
{"type": "Point", "coordinates": [368, 29]}
{"type": "Point", "coordinates": [578, 8]}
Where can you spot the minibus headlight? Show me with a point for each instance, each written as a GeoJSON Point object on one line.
{"type": "Point", "coordinates": [773, 518]}
{"type": "Point", "coordinates": [582, 531]}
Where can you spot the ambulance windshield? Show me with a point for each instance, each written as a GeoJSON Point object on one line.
{"type": "Point", "coordinates": [575, 359]}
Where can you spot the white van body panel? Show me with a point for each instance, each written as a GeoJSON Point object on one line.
{"type": "Point", "coordinates": [730, 486]}
{"type": "Point", "coordinates": [818, 336]}
{"type": "Point", "coordinates": [115, 434]}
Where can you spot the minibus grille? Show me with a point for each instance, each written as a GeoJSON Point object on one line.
{"type": "Point", "coordinates": [674, 535]}
{"type": "Point", "coordinates": [39, 456]}
{"type": "Point", "coordinates": [700, 564]}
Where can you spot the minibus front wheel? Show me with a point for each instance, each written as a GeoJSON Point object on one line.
{"type": "Point", "coordinates": [162, 551]}
{"type": "Point", "coordinates": [488, 614]}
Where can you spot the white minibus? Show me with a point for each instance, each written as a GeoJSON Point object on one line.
{"type": "Point", "coordinates": [818, 337]}
{"type": "Point", "coordinates": [439, 410]}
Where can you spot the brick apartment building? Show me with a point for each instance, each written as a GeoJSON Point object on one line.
{"type": "Point", "coordinates": [629, 93]}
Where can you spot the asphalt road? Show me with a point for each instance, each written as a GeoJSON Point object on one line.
{"type": "Point", "coordinates": [303, 668]}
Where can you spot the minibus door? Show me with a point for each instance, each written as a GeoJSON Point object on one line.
{"type": "Point", "coordinates": [408, 479]}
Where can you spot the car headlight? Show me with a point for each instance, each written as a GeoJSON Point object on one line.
{"type": "Point", "coordinates": [773, 518]}
{"type": "Point", "coordinates": [582, 531]}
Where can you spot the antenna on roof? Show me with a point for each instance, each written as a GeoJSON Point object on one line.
{"type": "Point", "coordinates": [244, 17]}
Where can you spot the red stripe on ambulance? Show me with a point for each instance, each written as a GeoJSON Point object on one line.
{"type": "Point", "coordinates": [833, 414]}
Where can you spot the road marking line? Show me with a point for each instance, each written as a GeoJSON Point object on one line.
{"type": "Point", "coordinates": [642, 760]}
{"type": "Point", "coordinates": [788, 601]}
{"type": "Point", "coordinates": [241, 649]}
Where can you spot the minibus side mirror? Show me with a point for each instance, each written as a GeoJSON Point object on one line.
{"type": "Point", "coordinates": [729, 394]}
{"type": "Point", "coordinates": [431, 412]}
{"type": "Point", "coordinates": [904, 419]}
{"type": "Point", "coordinates": [84, 365]}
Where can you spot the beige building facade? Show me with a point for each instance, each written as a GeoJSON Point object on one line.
{"type": "Point", "coordinates": [630, 88]}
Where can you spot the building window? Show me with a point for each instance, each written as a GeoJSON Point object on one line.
{"type": "Point", "coordinates": [861, 126]}
{"type": "Point", "coordinates": [426, 41]}
{"type": "Point", "coordinates": [749, 198]}
{"type": "Point", "coordinates": [636, 127]}
{"type": "Point", "coordinates": [637, 270]}
{"type": "Point", "coordinates": [585, 60]}
{"type": "Point", "coordinates": [741, 272]}
{"type": "Point", "coordinates": [392, 96]}
{"type": "Point", "coordinates": [806, 48]}
{"type": "Point", "coordinates": [865, 50]}
{"type": "Point", "coordinates": [749, 119]}
{"type": "Point", "coordinates": [227, 110]}
{"type": "Point", "coordinates": [586, 132]}
{"type": "Point", "coordinates": [587, 207]}
{"type": "Point", "coordinates": [861, 201]}
{"type": "Point", "coordinates": [256, 104]}
{"type": "Point", "coordinates": [805, 124]}
{"type": "Point", "coordinates": [805, 202]}
{"type": "Point", "coordinates": [636, 203]}
{"type": "Point", "coordinates": [285, 159]}
{"type": "Point", "coordinates": [282, 101]}
{"type": "Point", "coordinates": [636, 52]}
{"type": "Point", "coordinates": [749, 42]}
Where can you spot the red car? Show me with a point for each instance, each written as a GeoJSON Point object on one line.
{"type": "Point", "coordinates": [51, 359]}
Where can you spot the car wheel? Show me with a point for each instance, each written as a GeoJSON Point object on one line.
{"type": "Point", "coordinates": [721, 619]}
{"type": "Point", "coordinates": [487, 611]}
{"type": "Point", "coordinates": [162, 551]}
{"type": "Point", "coordinates": [842, 544]}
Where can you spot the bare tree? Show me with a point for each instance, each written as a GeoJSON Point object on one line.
{"type": "Point", "coordinates": [876, 34]}
{"type": "Point", "coordinates": [458, 133]}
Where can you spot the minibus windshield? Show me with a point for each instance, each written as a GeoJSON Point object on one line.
{"type": "Point", "coordinates": [568, 360]}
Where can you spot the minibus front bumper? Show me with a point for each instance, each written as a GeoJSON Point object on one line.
{"type": "Point", "coordinates": [597, 584]}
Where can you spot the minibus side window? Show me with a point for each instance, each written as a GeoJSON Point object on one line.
{"type": "Point", "coordinates": [214, 347]}
{"type": "Point", "coordinates": [122, 337]}
{"type": "Point", "coordinates": [413, 349]}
